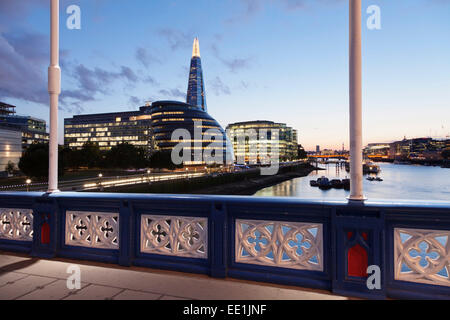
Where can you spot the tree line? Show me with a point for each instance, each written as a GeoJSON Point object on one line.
{"type": "Point", "coordinates": [34, 162]}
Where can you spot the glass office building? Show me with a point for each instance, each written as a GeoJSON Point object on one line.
{"type": "Point", "coordinates": [10, 146]}
{"type": "Point", "coordinates": [109, 129]}
{"type": "Point", "coordinates": [202, 134]}
{"type": "Point", "coordinates": [7, 109]}
{"type": "Point", "coordinates": [257, 142]}
{"type": "Point", "coordinates": [196, 86]}
{"type": "Point", "coordinates": [33, 130]}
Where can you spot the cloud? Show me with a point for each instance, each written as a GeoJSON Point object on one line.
{"type": "Point", "coordinates": [233, 64]}
{"type": "Point", "coordinates": [173, 93]}
{"type": "Point", "coordinates": [134, 101]}
{"type": "Point", "coordinates": [21, 73]}
{"type": "Point", "coordinates": [244, 84]}
{"type": "Point", "coordinates": [91, 82]}
{"type": "Point", "coordinates": [176, 39]}
{"type": "Point", "coordinates": [250, 8]}
{"type": "Point", "coordinates": [145, 58]}
{"type": "Point", "coordinates": [11, 10]}
{"type": "Point", "coordinates": [218, 87]}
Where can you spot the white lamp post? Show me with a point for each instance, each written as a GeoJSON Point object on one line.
{"type": "Point", "coordinates": [54, 89]}
{"type": "Point", "coordinates": [356, 167]}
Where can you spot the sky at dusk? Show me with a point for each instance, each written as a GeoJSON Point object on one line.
{"type": "Point", "coordinates": [278, 60]}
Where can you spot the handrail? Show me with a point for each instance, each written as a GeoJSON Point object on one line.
{"type": "Point", "coordinates": [325, 244]}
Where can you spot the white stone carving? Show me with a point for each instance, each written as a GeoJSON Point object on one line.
{"type": "Point", "coordinates": [282, 244]}
{"type": "Point", "coordinates": [92, 229]}
{"type": "Point", "coordinates": [16, 224]}
{"type": "Point", "coordinates": [422, 256]}
{"type": "Point", "coordinates": [175, 236]}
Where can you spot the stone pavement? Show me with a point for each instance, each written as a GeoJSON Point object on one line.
{"type": "Point", "coordinates": [22, 277]}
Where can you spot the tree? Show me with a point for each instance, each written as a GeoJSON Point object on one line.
{"type": "Point", "coordinates": [34, 162]}
{"type": "Point", "coordinates": [10, 167]}
{"type": "Point", "coordinates": [301, 152]}
{"type": "Point", "coordinates": [163, 160]}
{"type": "Point", "coordinates": [446, 154]}
{"type": "Point", "coordinates": [126, 156]}
{"type": "Point", "coordinates": [90, 155]}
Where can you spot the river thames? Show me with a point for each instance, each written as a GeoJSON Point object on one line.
{"type": "Point", "coordinates": [406, 182]}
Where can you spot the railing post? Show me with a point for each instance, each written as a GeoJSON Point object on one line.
{"type": "Point", "coordinates": [54, 89]}
{"type": "Point", "coordinates": [126, 234]}
{"type": "Point", "coordinates": [46, 228]}
{"type": "Point", "coordinates": [218, 240]}
{"type": "Point", "coordinates": [356, 166]}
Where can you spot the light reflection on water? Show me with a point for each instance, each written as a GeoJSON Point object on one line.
{"type": "Point", "coordinates": [400, 182]}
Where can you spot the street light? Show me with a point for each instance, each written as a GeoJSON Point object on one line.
{"type": "Point", "coordinates": [54, 89]}
{"type": "Point", "coordinates": [28, 182]}
{"type": "Point", "coordinates": [356, 170]}
{"type": "Point", "coordinates": [100, 176]}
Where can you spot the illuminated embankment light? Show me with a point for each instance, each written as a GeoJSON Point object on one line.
{"type": "Point", "coordinates": [123, 182]}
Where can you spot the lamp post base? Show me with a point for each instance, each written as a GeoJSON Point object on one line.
{"type": "Point", "coordinates": [356, 201]}
{"type": "Point", "coordinates": [53, 191]}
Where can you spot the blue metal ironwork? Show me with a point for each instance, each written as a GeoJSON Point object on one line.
{"type": "Point", "coordinates": [377, 219]}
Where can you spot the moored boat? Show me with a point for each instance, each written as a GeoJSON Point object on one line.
{"type": "Point", "coordinates": [336, 183]}
{"type": "Point", "coordinates": [324, 183]}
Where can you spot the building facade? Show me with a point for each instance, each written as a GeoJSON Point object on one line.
{"type": "Point", "coordinates": [418, 149]}
{"type": "Point", "coordinates": [196, 87]}
{"type": "Point", "coordinates": [378, 150]}
{"type": "Point", "coordinates": [263, 141]}
{"type": "Point", "coordinates": [7, 109]}
{"type": "Point", "coordinates": [204, 140]}
{"type": "Point", "coordinates": [109, 129]}
{"type": "Point", "coordinates": [33, 130]}
{"type": "Point", "coordinates": [10, 147]}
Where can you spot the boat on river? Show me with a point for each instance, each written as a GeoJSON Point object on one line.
{"type": "Point", "coordinates": [336, 184]}
{"type": "Point", "coordinates": [368, 168]}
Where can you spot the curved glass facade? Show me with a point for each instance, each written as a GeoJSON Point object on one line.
{"type": "Point", "coordinates": [200, 133]}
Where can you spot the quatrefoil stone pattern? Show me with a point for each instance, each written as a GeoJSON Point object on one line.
{"type": "Point", "coordinates": [16, 224]}
{"type": "Point", "coordinates": [422, 256]}
{"type": "Point", "coordinates": [282, 244]}
{"type": "Point", "coordinates": [92, 229]}
{"type": "Point", "coordinates": [174, 236]}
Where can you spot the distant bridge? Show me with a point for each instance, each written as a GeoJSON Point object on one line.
{"type": "Point", "coordinates": [346, 156]}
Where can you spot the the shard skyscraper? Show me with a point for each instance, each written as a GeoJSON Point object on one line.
{"type": "Point", "coordinates": [196, 87]}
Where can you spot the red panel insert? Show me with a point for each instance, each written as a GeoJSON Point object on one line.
{"type": "Point", "coordinates": [357, 262]}
{"type": "Point", "coordinates": [45, 233]}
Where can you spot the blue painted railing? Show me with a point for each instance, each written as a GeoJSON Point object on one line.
{"type": "Point", "coordinates": [309, 243]}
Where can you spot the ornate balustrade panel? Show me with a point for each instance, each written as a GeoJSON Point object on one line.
{"type": "Point", "coordinates": [92, 229]}
{"type": "Point", "coordinates": [16, 224]}
{"type": "Point", "coordinates": [282, 244]}
{"type": "Point", "coordinates": [175, 236]}
{"type": "Point", "coordinates": [422, 256]}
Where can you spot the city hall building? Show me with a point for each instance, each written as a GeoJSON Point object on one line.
{"type": "Point", "coordinates": [203, 138]}
{"type": "Point", "coordinates": [255, 141]}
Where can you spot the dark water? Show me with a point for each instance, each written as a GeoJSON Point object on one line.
{"type": "Point", "coordinates": [401, 182]}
